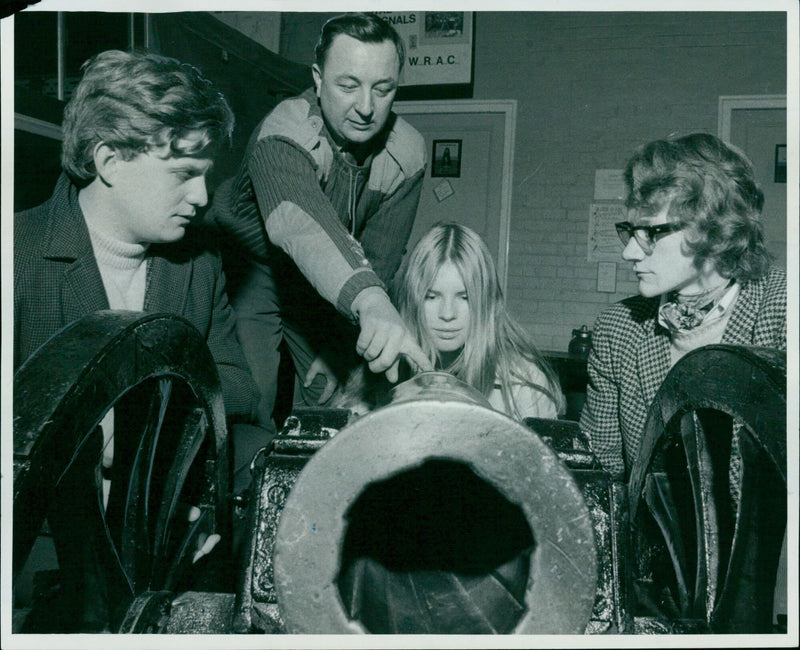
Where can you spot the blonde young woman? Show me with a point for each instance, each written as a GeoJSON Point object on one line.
{"type": "Point", "coordinates": [450, 298]}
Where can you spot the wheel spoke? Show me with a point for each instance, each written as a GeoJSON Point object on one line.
{"type": "Point", "coordinates": [746, 592]}
{"type": "Point", "coordinates": [657, 495]}
{"type": "Point", "coordinates": [701, 478]}
{"type": "Point", "coordinates": [189, 444]}
{"type": "Point", "coordinates": [164, 394]}
{"type": "Point", "coordinates": [136, 543]}
{"type": "Point", "coordinates": [184, 552]}
{"type": "Point", "coordinates": [110, 536]}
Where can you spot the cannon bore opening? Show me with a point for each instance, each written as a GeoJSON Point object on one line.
{"type": "Point", "coordinates": [435, 549]}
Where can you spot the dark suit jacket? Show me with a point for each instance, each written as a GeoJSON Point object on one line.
{"type": "Point", "coordinates": [57, 280]}
{"type": "Point", "coordinates": [630, 359]}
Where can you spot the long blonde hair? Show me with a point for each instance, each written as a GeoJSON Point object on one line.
{"type": "Point", "coordinates": [496, 349]}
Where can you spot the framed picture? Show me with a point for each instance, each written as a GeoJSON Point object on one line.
{"type": "Point", "coordinates": [446, 158]}
{"type": "Point", "coordinates": [439, 53]}
{"type": "Point", "coordinates": [780, 163]}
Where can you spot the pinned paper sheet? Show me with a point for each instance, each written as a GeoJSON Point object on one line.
{"type": "Point", "coordinates": [443, 190]}
{"type": "Point", "coordinates": [609, 185]}
{"type": "Point", "coordinates": [604, 243]}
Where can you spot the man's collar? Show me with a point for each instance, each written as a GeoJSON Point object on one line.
{"type": "Point", "coordinates": [68, 236]}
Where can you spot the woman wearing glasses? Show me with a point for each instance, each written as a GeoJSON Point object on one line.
{"type": "Point", "coordinates": [695, 239]}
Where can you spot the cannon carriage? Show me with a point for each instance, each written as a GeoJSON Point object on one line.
{"type": "Point", "coordinates": [434, 514]}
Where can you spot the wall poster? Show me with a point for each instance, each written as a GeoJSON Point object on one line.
{"type": "Point", "coordinates": [439, 53]}
{"type": "Point", "coordinates": [446, 158]}
{"type": "Point", "coordinates": [604, 242]}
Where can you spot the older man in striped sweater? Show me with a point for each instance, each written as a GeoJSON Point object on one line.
{"type": "Point", "coordinates": [323, 205]}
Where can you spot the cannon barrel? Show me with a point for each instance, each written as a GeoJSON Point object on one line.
{"type": "Point", "coordinates": [435, 514]}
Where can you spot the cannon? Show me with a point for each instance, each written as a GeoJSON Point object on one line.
{"type": "Point", "coordinates": [433, 514]}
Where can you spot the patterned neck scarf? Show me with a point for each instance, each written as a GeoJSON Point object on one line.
{"type": "Point", "coordinates": [685, 312]}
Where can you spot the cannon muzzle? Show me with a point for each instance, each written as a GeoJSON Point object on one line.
{"type": "Point", "coordinates": [435, 514]}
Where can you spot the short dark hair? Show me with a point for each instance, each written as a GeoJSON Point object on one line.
{"type": "Point", "coordinates": [710, 188]}
{"type": "Point", "coordinates": [364, 27]}
{"type": "Point", "coordinates": [135, 101]}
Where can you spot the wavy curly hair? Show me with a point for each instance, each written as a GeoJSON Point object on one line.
{"type": "Point", "coordinates": [134, 102]}
{"type": "Point", "coordinates": [710, 188]}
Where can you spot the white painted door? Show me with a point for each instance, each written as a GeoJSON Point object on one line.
{"type": "Point", "coordinates": [757, 131]}
{"type": "Point", "coordinates": [479, 197]}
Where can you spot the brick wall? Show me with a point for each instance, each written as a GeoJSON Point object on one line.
{"type": "Point", "coordinates": [590, 88]}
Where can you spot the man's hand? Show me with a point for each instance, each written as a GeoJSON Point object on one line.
{"type": "Point", "coordinates": [384, 336]}
{"type": "Point", "coordinates": [205, 542]}
{"type": "Point", "coordinates": [320, 367]}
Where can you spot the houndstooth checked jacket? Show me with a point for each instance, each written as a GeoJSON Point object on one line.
{"type": "Point", "coordinates": [57, 281]}
{"type": "Point", "coordinates": [630, 358]}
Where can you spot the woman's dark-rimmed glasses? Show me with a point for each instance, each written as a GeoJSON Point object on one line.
{"type": "Point", "coordinates": [646, 236]}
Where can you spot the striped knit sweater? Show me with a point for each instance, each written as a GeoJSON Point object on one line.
{"type": "Point", "coordinates": [345, 226]}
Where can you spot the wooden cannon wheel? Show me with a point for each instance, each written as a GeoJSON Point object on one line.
{"type": "Point", "coordinates": [715, 439]}
{"type": "Point", "coordinates": [169, 456]}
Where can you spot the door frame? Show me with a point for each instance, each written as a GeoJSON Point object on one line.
{"type": "Point", "coordinates": [507, 108]}
{"type": "Point", "coordinates": [730, 103]}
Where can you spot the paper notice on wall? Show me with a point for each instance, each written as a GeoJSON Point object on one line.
{"type": "Point", "coordinates": [438, 46]}
{"type": "Point", "coordinates": [604, 243]}
{"type": "Point", "coordinates": [609, 185]}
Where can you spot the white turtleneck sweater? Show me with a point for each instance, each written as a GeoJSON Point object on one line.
{"type": "Point", "coordinates": [123, 268]}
